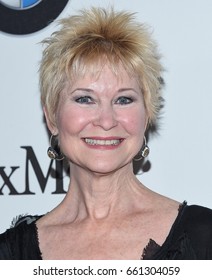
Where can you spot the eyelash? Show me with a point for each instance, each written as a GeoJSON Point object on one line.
{"type": "Point", "coordinates": [122, 100]}
{"type": "Point", "coordinates": [80, 100]}
{"type": "Point", "coordinates": [127, 100]}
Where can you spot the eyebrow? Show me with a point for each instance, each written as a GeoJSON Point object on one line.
{"type": "Point", "coordinates": [90, 91]}
{"type": "Point", "coordinates": [82, 89]}
{"type": "Point", "coordinates": [128, 89]}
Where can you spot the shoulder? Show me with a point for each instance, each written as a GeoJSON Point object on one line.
{"type": "Point", "coordinates": [190, 237]}
{"type": "Point", "coordinates": [13, 241]}
{"type": "Point", "coordinates": [24, 220]}
{"type": "Point", "coordinates": [198, 217]}
{"type": "Point", "coordinates": [195, 226]}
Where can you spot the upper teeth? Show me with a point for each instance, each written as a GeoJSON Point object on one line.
{"type": "Point", "coordinates": [102, 142]}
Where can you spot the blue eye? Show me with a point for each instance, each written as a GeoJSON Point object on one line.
{"type": "Point", "coordinates": [84, 100]}
{"type": "Point", "coordinates": [123, 100]}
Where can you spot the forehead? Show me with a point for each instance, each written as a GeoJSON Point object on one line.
{"type": "Point", "coordinates": [104, 74]}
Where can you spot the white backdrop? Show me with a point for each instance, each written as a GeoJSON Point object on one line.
{"type": "Point", "coordinates": [180, 156]}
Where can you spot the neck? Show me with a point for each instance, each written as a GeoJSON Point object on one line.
{"type": "Point", "coordinates": [98, 195]}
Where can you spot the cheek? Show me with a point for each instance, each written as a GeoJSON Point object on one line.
{"type": "Point", "coordinates": [135, 121]}
{"type": "Point", "coordinates": [71, 120]}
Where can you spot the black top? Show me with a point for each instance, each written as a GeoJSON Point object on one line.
{"type": "Point", "coordinates": [190, 238]}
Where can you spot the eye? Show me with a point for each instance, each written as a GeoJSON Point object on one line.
{"type": "Point", "coordinates": [84, 100]}
{"type": "Point", "coordinates": [123, 100]}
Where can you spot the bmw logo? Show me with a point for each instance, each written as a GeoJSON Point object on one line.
{"type": "Point", "coordinates": [20, 5]}
{"type": "Point", "coordinates": [22, 17]}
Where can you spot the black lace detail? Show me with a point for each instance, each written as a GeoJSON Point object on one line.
{"type": "Point", "coordinates": [16, 220]}
{"type": "Point", "coordinates": [181, 248]}
{"type": "Point", "coordinates": [25, 218]}
{"type": "Point", "coordinates": [23, 236]}
{"type": "Point", "coordinates": [37, 242]}
{"type": "Point", "coordinates": [151, 248]}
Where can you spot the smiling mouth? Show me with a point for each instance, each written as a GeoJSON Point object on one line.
{"type": "Point", "coordinates": [102, 142]}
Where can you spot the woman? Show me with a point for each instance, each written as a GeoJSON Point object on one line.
{"type": "Point", "coordinates": [100, 80]}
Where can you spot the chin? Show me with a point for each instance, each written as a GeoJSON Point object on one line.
{"type": "Point", "coordinates": [104, 169]}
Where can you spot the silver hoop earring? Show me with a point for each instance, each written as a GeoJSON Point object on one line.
{"type": "Point", "coordinates": [54, 150]}
{"type": "Point", "coordinates": [144, 152]}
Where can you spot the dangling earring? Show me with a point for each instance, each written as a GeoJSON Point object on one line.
{"type": "Point", "coordinates": [144, 152]}
{"type": "Point", "coordinates": [54, 150]}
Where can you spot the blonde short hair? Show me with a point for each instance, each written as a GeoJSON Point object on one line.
{"type": "Point", "coordinates": [94, 34]}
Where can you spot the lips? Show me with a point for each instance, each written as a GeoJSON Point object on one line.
{"type": "Point", "coordinates": [103, 142]}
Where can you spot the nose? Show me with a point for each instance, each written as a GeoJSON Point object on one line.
{"type": "Point", "coordinates": [106, 117]}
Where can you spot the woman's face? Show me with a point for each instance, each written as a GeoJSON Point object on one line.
{"type": "Point", "coordinates": [101, 121]}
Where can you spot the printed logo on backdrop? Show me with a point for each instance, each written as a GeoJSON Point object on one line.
{"type": "Point", "coordinates": [20, 17]}
{"type": "Point", "coordinates": [57, 170]}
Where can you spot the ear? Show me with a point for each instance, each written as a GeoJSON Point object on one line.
{"type": "Point", "coordinates": [52, 128]}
